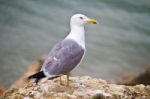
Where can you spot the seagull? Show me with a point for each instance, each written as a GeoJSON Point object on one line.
{"type": "Point", "coordinates": [66, 54]}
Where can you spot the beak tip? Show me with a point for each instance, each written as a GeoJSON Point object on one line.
{"type": "Point", "coordinates": [92, 21]}
{"type": "Point", "coordinates": [95, 22]}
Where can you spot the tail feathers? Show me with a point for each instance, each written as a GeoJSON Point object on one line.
{"type": "Point", "coordinates": [38, 76]}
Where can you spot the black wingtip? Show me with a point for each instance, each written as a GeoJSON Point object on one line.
{"type": "Point", "coordinates": [38, 76]}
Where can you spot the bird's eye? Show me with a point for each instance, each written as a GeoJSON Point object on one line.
{"type": "Point", "coordinates": [81, 17]}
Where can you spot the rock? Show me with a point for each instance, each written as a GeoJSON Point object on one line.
{"type": "Point", "coordinates": [142, 78]}
{"type": "Point", "coordinates": [84, 87]}
{"type": "Point", "coordinates": [2, 90]}
{"type": "Point", "coordinates": [35, 67]}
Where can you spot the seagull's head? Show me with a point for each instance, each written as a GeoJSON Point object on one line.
{"type": "Point", "coordinates": [81, 20]}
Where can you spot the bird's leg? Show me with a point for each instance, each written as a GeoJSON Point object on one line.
{"type": "Point", "coordinates": [60, 80]}
{"type": "Point", "coordinates": [68, 75]}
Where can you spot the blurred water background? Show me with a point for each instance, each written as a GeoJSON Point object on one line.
{"type": "Point", "coordinates": [118, 45]}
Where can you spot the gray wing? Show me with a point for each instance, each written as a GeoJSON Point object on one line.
{"type": "Point", "coordinates": [63, 57]}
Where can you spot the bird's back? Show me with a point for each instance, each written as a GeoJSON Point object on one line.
{"type": "Point", "coordinates": [63, 57]}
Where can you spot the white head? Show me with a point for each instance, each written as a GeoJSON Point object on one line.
{"type": "Point", "coordinates": [81, 20]}
{"type": "Point", "coordinates": [77, 23]}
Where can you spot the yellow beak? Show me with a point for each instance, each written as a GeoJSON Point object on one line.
{"type": "Point", "coordinates": [92, 21]}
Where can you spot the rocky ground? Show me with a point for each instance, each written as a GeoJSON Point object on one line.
{"type": "Point", "coordinates": [142, 78]}
{"type": "Point", "coordinates": [2, 90]}
{"type": "Point", "coordinates": [80, 88]}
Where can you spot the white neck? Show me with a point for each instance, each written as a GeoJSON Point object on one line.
{"type": "Point", "coordinates": [77, 34]}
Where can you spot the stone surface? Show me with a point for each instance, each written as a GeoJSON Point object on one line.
{"type": "Point", "coordinates": [83, 87]}
{"type": "Point", "coordinates": [2, 90]}
{"type": "Point", "coordinates": [141, 78]}
{"type": "Point", "coordinates": [33, 68]}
